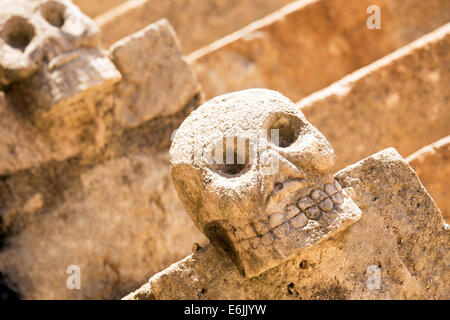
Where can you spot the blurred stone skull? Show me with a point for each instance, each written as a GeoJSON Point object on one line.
{"type": "Point", "coordinates": [49, 50]}
{"type": "Point", "coordinates": [273, 194]}
{"type": "Point", "coordinates": [34, 32]}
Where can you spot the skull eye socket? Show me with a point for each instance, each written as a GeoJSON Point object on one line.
{"type": "Point", "coordinates": [18, 33]}
{"type": "Point", "coordinates": [231, 156]}
{"type": "Point", "coordinates": [53, 12]}
{"type": "Point", "coordinates": [285, 130]}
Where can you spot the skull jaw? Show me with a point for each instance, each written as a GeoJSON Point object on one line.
{"type": "Point", "coordinates": [254, 257]}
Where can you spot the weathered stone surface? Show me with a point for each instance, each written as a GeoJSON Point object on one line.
{"type": "Point", "coordinates": [157, 81]}
{"type": "Point", "coordinates": [97, 194]}
{"type": "Point", "coordinates": [83, 211]}
{"type": "Point", "coordinates": [95, 8]}
{"type": "Point", "coordinates": [241, 206]}
{"type": "Point", "coordinates": [399, 101]}
{"type": "Point", "coordinates": [21, 145]}
{"type": "Point", "coordinates": [432, 165]}
{"type": "Point", "coordinates": [308, 45]}
{"type": "Point", "coordinates": [197, 22]}
{"type": "Point", "coordinates": [401, 232]}
{"type": "Point", "coordinates": [119, 221]}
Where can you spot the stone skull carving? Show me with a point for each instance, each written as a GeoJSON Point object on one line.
{"type": "Point", "coordinates": [50, 50]}
{"type": "Point", "coordinates": [33, 32]}
{"type": "Point", "coordinates": [259, 217]}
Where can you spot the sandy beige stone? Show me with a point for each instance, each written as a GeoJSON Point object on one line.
{"type": "Point", "coordinates": [157, 81]}
{"type": "Point", "coordinates": [308, 45]}
{"type": "Point", "coordinates": [432, 165]}
{"type": "Point", "coordinates": [401, 233]}
{"type": "Point", "coordinates": [399, 101]}
{"type": "Point", "coordinates": [197, 22]}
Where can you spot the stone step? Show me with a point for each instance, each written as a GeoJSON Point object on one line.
{"type": "Point", "coordinates": [196, 22]}
{"type": "Point", "coordinates": [308, 45]}
{"type": "Point", "coordinates": [95, 8]}
{"type": "Point", "coordinates": [432, 165]}
{"type": "Point", "coordinates": [401, 101]}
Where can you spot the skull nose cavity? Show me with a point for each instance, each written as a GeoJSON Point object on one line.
{"type": "Point", "coordinates": [318, 195]}
{"type": "Point", "coordinates": [18, 33]}
{"type": "Point", "coordinates": [53, 12]}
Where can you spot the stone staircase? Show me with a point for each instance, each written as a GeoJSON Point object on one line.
{"type": "Point", "coordinates": [105, 200]}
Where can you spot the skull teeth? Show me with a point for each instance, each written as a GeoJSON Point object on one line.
{"type": "Point", "coordinates": [313, 213]}
{"type": "Point", "coordinates": [291, 211]}
{"type": "Point", "coordinates": [276, 219]}
{"type": "Point", "coordinates": [299, 221]}
{"type": "Point", "coordinates": [326, 205]}
{"type": "Point", "coordinates": [330, 189]}
{"type": "Point", "coordinates": [337, 198]}
{"type": "Point", "coordinates": [304, 203]}
{"type": "Point", "coordinates": [338, 186]}
{"type": "Point", "coordinates": [281, 231]}
{"type": "Point", "coordinates": [295, 217]}
{"type": "Point", "coordinates": [318, 195]}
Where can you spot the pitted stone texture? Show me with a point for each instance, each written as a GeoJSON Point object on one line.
{"type": "Point", "coordinates": [432, 165]}
{"type": "Point", "coordinates": [221, 196]}
{"type": "Point", "coordinates": [157, 81]}
{"type": "Point", "coordinates": [401, 231]}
